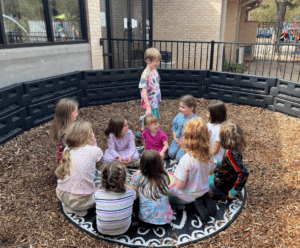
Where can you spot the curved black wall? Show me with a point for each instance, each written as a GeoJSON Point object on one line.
{"type": "Point", "coordinates": [28, 104]}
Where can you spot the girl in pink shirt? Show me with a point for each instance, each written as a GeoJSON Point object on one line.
{"type": "Point", "coordinates": [75, 185]}
{"type": "Point", "coordinates": [153, 137]}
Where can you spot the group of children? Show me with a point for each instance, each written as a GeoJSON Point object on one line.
{"type": "Point", "coordinates": [209, 157]}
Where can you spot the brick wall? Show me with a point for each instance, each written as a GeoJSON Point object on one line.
{"type": "Point", "coordinates": [187, 20]}
{"type": "Point", "coordinates": [230, 25]}
{"type": "Point", "coordinates": [94, 32]}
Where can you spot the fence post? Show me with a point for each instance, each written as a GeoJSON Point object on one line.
{"type": "Point", "coordinates": [211, 54]}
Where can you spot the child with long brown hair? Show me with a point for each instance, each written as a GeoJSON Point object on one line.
{"type": "Point", "coordinates": [217, 114]}
{"type": "Point", "coordinates": [230, 175]}
{"type": "Point", "coordinates": [121, 144]}
{"type": "Point", "coordinates": [66, 112]}
{"type": "Point", "coordinates": [153, 190]}
{"type": "Point", "coordinates": [193, 170]}
{"type": "Point", "coordinates": [75, 185]}
{"type": "Point", "coordinates": [114, 200]}
{"type": "Point", "coordinates": [187, 107]}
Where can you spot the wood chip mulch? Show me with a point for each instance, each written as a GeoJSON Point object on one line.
{"type": "Point", "coordinates": [29, 211]}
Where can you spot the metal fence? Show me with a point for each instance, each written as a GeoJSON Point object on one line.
{"type": "Point", "coordinates": [272, 60]}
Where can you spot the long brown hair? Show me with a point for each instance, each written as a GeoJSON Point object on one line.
{"type": "Point", "coordinates": [78, 135]}
{"type": "Point", "coordinates": [115, 126]}
{"type": "Point", "coordinates": [155, 175]}
{"type": "Point", "coordinates": [196, 140]}
{"type": "Point", "coordinates": [217, 111]}
{"type": "Point", "coordinates": [113, 177]}
{"type": "Point", "coordinates": [62, 118]}
{"type": "Point", "coordinates": [232, 137]}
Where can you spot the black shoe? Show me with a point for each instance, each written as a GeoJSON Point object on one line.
{"type": "Point", "coordinates": [201, 210]}
{"type": "Point", "coordinates": [210, 205]}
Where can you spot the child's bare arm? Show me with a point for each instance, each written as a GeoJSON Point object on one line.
{"type": "Point", "coordinates": [145, 98]}
{"type": "Point", "coordinates": [216, 148]}
{"type": "Point", "coordinates": [165, 148]}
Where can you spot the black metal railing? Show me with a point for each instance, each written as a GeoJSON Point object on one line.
{"type": "Point", "coordinates": [272, 60]}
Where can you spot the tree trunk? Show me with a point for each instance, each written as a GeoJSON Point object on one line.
{"type": "Point", "coordinates": [280, 15]}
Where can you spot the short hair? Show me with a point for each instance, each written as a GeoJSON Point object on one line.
{"type": "Point", "coordinates": [115, 126]}
{"type": "Point", "coordinates": [232, 137]}
{"type": "Point", "coordinates": [149, 120]}
{"type": "Point", "coordinates": [152, 54]}
{"type": "Point", "coordinates": [113, 177]}
{"type": "Point", "coordinates": [196, 140]}
{"type": "Point", "coordinates": [189, 101]}
{"type": "Point", "coordinates": [217, 111]}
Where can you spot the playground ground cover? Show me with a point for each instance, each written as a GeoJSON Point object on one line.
{"type": "Point", "coordinates": [30, 215]}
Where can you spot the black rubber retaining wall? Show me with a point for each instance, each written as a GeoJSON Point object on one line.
{"type": "Point", "coordinates": [28, 104]}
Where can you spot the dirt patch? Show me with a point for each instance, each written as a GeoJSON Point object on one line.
{"type": "Point", "coordinates": [30, 214]}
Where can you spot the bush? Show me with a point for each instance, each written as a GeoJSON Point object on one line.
{"type": "Point", "coordinates": [233, 67]}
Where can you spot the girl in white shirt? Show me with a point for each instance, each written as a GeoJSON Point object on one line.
{"type": "Point", "coordinates": [217, 114]}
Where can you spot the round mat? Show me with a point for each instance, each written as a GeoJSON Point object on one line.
{"type": "Point", "coordinates": [184, 228]}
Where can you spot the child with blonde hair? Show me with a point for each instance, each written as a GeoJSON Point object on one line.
{"type": "Point", "coordinates": [152, 185]}
{"type": "Point", "coordinates": [114, 200]}
{"type": "Point", "coordinates": [75, 185]}
{"type": "Point", "coordinates": [121, 144]}
{"type": "Point", "coordinates": [149, 85]}
{"type": "Point", "coordinates": [66, 112]}
{"type": "Point", "coordinates": [153, 137]}
{"type": "Point", "coordinates": [217, 114]}
{"type": "Point", "coordinates": [230, 174]}
{"type": "Point", "coordinates": [193, 170]}
{"type": "Point", "coordinates": [187, 107]}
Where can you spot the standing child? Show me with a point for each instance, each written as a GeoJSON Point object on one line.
{"type": "Point", "coordinates": [217, 114]}
{"type": "Point", "coordinates": [193, 170]}
{"type": "Point", "coordinates": [121, 145]}
{"type": "Point", "coordinates": [230, 175]}
{"type": "Point", "coordinates": [187, 107]}
{"type": "Point", "coordinates": [149, 85]}
{"type": "Point", "coordinates": [153, 137]}
{"type": "Point", "coordinates": [153, 190]}
{"type": "Point", "coordinates": [114, 200]}
{"type": "Point", "coordinates": [75, 185]}
{"type": "Point", "coordinates": [66, 112]}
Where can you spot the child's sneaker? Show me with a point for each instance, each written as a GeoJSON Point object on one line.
{"type": "Point", "coordinates": [138, 135]}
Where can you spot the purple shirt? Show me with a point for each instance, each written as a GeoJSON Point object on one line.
{"type": "Point", "coordinates": [156, 142]}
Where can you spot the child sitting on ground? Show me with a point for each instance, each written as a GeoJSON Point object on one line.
{"type": "Point", "coordinates": [217, 114]}
{"type": "Point", "coordinates": [75, 185]}
{"type": "Point", "coordinates": [114, 201]}
{"type": "Point", "coordinates": [153, 137]}
{"type": "Point", "coordinates": [187, 107]}
{"type": "Point", "coordinates": [66, 112]}
{"type": "Point", "coordinates": [153, 190]}
{"type": "Point", "coordinates": [121, 144]}
{"type": "Point", "coordinates": [230, 174]}
{"type": "Point", "coordinates": [149, 85]}
{"type": "Point", "coordinates": [193, 170]}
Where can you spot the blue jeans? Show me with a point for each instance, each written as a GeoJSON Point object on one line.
{"type": "Point", "coordinates": [175, 151]}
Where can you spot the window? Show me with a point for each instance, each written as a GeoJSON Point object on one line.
{"type": "Point", "coordinates": [41, 22]}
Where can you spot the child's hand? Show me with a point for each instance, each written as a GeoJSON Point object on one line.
{"type": "Point", "coordinates": [121, 160]}
{"type": "Point", "coordinates": [128, 160]}
{"type": "Point", "coordinates": [176, 166]}
{"type": "Point", "coordinates": [162, 154]}
{"type": "Point", "coordinates": [136, 173]}
{"type": "Point", "coordinates": [148, 112]}
{"type": "Point", "coordinates": [179, 142]}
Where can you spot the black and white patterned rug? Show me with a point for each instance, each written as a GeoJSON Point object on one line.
{"type": "Point", "coordinates": [184, 228]}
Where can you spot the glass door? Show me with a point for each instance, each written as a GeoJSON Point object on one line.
{"type": "Point", "coordinates": [127, 30]}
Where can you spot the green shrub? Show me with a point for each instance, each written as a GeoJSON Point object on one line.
{"type": "Point", "coordinates": [233, 67]}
